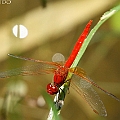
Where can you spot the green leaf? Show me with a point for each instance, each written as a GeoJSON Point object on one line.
{"type": "Point", "coordinates": [49, 101]}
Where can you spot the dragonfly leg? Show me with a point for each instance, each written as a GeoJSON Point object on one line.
{"type": "Point", "coordinates": [59, 102]}
{"type": "Point", "coordinates": [63, 92]}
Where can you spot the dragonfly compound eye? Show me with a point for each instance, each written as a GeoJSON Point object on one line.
{"type": "Point", "coordinates": [52, 89]}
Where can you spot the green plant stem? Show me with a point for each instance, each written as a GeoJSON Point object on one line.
{"type": "Point", "coordinates": [61, 95]}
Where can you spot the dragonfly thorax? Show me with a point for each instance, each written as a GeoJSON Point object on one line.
{"type": "Point", "coordinates": [60, 75]}
{"type": "Point", "coordinates": [59, 78]}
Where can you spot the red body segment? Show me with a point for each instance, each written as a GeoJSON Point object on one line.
{"type": "Point", "coordinates": [60, 75]}
{"type": "Point", "coordinates": [78, 45]}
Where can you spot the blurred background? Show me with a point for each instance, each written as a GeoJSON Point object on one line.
{"type": "Point", "coordinates": [40, 28]}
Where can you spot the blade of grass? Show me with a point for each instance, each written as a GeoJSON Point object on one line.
{"type": "Point", "coordinates": [52, 106]}
{"type": "Point", "coordinates": [61, 95]}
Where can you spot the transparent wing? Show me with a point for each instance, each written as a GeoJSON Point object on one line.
{"type": "Point", "coordinates": [85, 89]}
{"type": "Point", "coordinates": [83, 85]}
{"type": "Point", "coordinates": [40, 68]}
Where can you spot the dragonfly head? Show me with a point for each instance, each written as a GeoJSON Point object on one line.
{"type": "Point", "coordinates": [52, 89]}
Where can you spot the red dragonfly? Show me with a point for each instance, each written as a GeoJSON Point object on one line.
{"type": "Point", "coordinates": [81, 82]}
